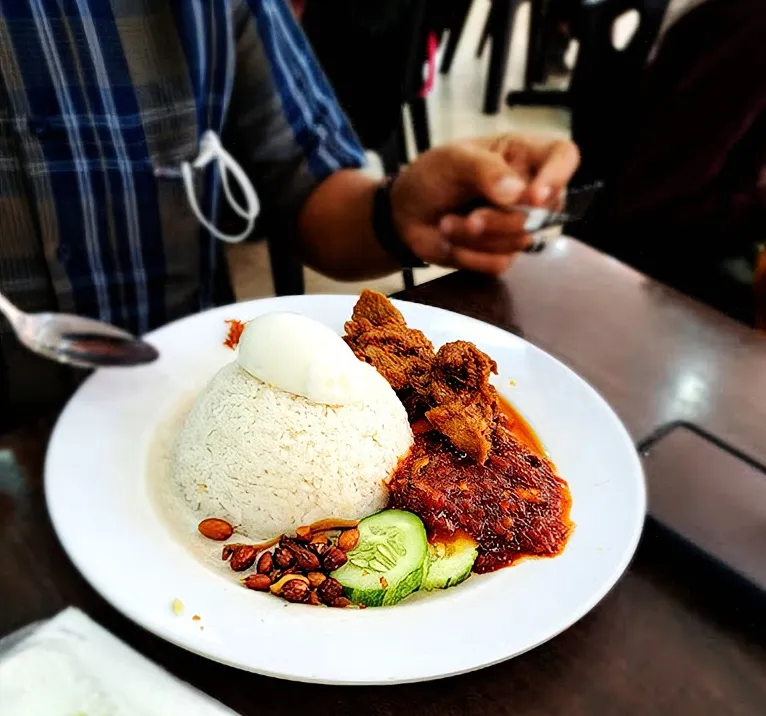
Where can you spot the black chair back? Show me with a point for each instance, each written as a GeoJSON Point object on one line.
{"type": "Point", "coordinates": [605, 82]}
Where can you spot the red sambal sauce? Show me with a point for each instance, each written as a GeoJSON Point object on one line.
{"type": "Point", "coordinates": [235, 333]}
{"type": "Point", "coordinates": [514, 506]}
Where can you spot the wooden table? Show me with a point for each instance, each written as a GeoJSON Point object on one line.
{"type": "Point", "coordinates": [661, 643]}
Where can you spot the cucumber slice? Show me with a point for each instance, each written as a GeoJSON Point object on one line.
{"type": "Point", "coordinates": [449, 563]}
{"type": "Point", "coordinates": [389, 560]}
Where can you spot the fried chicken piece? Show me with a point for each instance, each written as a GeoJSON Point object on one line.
{"type": "Point", "coordinates": [378, 334]}
{"type": "Point", "coordinates": [452, 386]}
{"type": "Point", "coordinates": [373, 309]}
{"type": "Point", "coordinates": [461, 370]}
{"type": "Point", "coordinates": [463, 398]}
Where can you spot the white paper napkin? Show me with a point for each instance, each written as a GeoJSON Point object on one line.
{"type": "Point", "coordinates": [70, 666]}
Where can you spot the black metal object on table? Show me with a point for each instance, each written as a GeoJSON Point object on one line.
{"type": "Point", "coordinates": [720, 517]}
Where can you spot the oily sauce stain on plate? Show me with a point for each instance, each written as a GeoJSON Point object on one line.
{"type": "Point", "coordinates": [514, 506]}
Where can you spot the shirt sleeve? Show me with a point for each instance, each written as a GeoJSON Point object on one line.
{"type": "Point", "coordinates": [284, 124]}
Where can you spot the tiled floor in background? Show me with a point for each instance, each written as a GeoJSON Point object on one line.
{"type": "Point", "coordinates": [455, 113]}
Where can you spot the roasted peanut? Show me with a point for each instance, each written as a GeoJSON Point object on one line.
{"type": "Point", "coordinates": [258, 582]}
{"type": "Point", "coordinates": [276, 587]}
{"type": "Point", "coordinates": [265, 563]}
{"type": "Point", "coordinates": [296, 591]}
{"type": "Point", "coordinates": [316, 578]}
{"type": "Point", "coordinates": [229, 549]}
{"type": "Point", "coordinates": [279, 573]}
{"type": "Point", "coordinates": [334, 559]}
{"type": "Point", "coordinates": [329, 591]}
{"type": "Point", "coordinates": [314, 599]}
{"type": "Point", "coordinates": [216, 529]}
{"type": "Point", "coordinates": [305, 559]}
{"type": "Point", "coordinates": [348, 540]}
{"type": "Point", "coordinates": [341, 603]}
{"type": "Point", "coordinates": [320, 548]}
{"type": "Point", "coordinates": [243, 558]}
{"type": "Point", "coordinates": [283, 557]}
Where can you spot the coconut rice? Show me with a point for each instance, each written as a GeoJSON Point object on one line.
{"type": "Point", "coordinates": [269, 461]}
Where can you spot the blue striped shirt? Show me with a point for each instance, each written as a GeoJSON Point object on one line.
{"type": "Point", "coordinates": [100, 101]}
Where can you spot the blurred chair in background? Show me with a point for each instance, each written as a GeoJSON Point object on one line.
{"type": "Point", "coordinates": [550, 31]}
{"type": "Point", "coordinates": [604, 87]}
{"type": "Point", "coordinates": [498, 31]}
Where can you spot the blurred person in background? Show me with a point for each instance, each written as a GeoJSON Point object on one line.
{"type": "Point", "coordinates": [117, 123]}
{"type": "Point", "coordinates": [367, 50]}
{"type": "Point", "coordinates": [687, 204]}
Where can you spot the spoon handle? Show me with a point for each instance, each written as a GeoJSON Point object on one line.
{"type": "Point", "coordinates": [12, 313]}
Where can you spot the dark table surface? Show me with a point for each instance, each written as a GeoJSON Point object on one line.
{"type": "Point", "coordinates": [673, 637]}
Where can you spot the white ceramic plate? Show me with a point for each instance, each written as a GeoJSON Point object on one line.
{"type": "Point", "coordinates": [98, 497]}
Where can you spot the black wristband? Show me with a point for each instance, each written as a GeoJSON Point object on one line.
{"type": "Point", "coordinates": [386, 231]}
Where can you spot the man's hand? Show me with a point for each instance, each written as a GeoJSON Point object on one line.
{"type": "Point", "coordinates": [504, 171]}
{"type": "Point", "coordinates": [335, 227]}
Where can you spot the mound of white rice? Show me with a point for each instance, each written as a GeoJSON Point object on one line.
{"type": "Point", "coordinates": [269, 461]}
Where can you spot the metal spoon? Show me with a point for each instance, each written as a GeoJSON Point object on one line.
{"type": "Point", "coordinates": [77, 341]}
{"type": "Point", "coordinates": [577, 202]}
